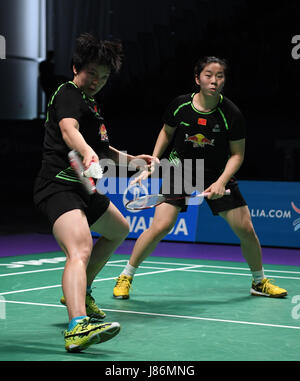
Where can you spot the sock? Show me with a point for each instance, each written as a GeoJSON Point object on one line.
{"type": "Point", "coordinates": [129, 270]}
{"type": "Point", "coordinates": [74, 321]}
{"type": "Point", "coordinates": [258, 276]}
{"type": "Point", "coordinates": [89, 290]}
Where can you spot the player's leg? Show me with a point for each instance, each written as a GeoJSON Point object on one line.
{"type": "Point", "coordinates": [235, 211]}
{"type": "Point", "coordinates": [72, 233]}
{"type": "Point", "coordinates": [164, 219]}
{"type": "Point", "coordinates": [239, 219]}
{"type": "Point", "coordinates": [114, 228]}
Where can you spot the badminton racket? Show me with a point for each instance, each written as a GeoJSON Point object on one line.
{"type": "Point", "coordinates": [152, 200]}
{"type": "Point", "coordinates": [85, 175]}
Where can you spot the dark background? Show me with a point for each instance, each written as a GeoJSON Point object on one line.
{"type": "Point", "coordinates": [162, 41]}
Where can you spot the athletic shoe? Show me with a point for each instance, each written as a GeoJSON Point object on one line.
{"type": "Point", "coordinates": [89, 331]}
{"type": "Point", "coordinates": [267, 288]}
{"type": "Point", "coordinates": [92, 310]}
{"type": "Point", "coordinates": [122, 287]}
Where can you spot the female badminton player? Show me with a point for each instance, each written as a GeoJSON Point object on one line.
{"type": "Point", "coordinates": [204, 125]}
{"type": "Point", "coordinates": [74, 123]}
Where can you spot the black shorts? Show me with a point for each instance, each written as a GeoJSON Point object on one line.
{"type": "Point", "coordinates": [234, 200]}
{"type": "Point", "coordinates": [54, 199]}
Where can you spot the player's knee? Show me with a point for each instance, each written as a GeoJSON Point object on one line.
{"type": "Point", "coordinates": [161, 229]}
{"type": "Point", "coordinates": [246, 230]}
{"type": "Point", "coordinates": [79, 254]}
{"type": "Point", "coordinates": [121, 231]}
{"type": "Point", "coordinates": [79, 249]}
{"type": "Point", "coordinates": [124, 229]}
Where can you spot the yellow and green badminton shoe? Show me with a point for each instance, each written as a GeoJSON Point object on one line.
{"type": "Point", "coordinates": [92, 310]}
{"type": "Point", "coordinates": [89, 331]}
{"type": "Point", "coordinates": [267, 288]}
{"type": "Point", "coordinates": [122, 287]}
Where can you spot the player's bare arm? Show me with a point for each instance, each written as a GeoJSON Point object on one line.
{"type": "Point", "coordinates": [120, 157]}
{"type": "Point", "coordinates": [70, 133]}
{"type": "Point", "coordinates": [163, 140]}
{"type": "Point", "coordinates": [237, 153]}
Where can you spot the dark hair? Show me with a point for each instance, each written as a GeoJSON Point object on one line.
{"type": "Point", "coordinates": [202, 62]}
{"type": "Point", "coordinates": [90, 49]}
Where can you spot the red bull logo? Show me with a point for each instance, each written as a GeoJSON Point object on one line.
{"type": "Point", "coordinates": [199, 140]}
{"type": "Point", "coordinates": [103, 133]}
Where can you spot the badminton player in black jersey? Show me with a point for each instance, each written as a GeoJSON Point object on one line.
{"type": "Point", "coordinates": [74, 123]}
{"type": "Point", "coordinates": [204, 125]}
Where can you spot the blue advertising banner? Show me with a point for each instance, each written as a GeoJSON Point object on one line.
{"type": "Point", "coordinates": [275, 212]}
{"type": "Point", "coordinates": [120, 192]}
{"type": "Point", "coordinates": [274, 208]}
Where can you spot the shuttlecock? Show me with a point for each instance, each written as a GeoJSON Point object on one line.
{"type": "Point", "coordinates": [94, 170]}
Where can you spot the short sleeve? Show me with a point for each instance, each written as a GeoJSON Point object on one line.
{"type": "Point", "coordinates": [237, 125]}
{"type": "Point", "coordinates": [68, 104]}
{"type": "Point", "coordinates": [170, 115]}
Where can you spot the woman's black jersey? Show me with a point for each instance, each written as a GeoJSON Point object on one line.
{"type": "Point", "coordinates": [70, 102]}
{"type": "Point", "coordinates": [204, 135]}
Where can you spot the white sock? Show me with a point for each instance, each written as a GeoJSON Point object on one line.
{"type": "Point", "coordinates": [258, 276]}
{"type": "Point", "coordinates": [129, 270]}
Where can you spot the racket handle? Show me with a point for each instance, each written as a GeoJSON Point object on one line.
{"type": "Point", "coordinates": [227, 193]}
{"type": "Point", "coordinates": [77, 165]}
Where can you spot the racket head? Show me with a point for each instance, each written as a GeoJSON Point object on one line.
{"type": "Point", "coordinates": [77, 166]}
{"type": "Point", "coordinates": [145, 202]}
{"type": "Point", "coordinates": [153, 200]}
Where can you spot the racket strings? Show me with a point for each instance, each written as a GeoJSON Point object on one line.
{"type": "Point", "coordinates": [145, 202]}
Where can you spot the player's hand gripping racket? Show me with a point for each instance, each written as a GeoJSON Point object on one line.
{"type": "Point", "coordinates": [85, 175]}
{"type": "Point", "coordinates": [152, 200]}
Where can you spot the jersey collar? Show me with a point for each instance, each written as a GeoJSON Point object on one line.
{"type": "Point", "coordinates": [209, 112]}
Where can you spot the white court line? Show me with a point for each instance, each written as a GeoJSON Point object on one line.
{"type": "Point", "coordinates": [96, 280]}
{"type": "Point", "coordinates": [192, 269]}
{"type": "Point", "coordinates": [167, 315]}
{"type": "Point", "coordinates": [227, 273]}
{"type": "Point", "coordinates": [32, 271]}
{"type": "Point", "coordinates": [221, 267]}
{"type": "Point", "coordinates": [54, 269]}
{"type": "Point", "coordinates": [165, 270]}
{"type": "Point", "coordinates": [161, 270]}
{"type": "Point", "coordinates": [115, 263]}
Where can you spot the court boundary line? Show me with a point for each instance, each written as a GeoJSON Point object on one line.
{"type": "Point", "coordinates": [114, 263]}
{"type": "Point", "coordinates": [226, 267]}
{"type": "Point", "coordinates": [96, 280]}
{"type": "Point", "coordinates": [187, 268]}
{"type": "Point", "coordinates": [166, 315]}
{"type": "Point", "coordinates": [43, 270]}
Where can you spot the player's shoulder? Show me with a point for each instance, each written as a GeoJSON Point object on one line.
{"type": "Point", "coordinates": [66, 92]}
{"type": "Point", "coordinates": [66, 89]}
{"type": "Point", "coordinates": [180, 101]}
{"type": "Point", "coordinates": [228, 105]}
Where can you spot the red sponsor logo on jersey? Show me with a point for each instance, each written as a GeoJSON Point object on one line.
{"type": "Point", "coordinates": [202, 121]}
{"type": "Point", "coordinates": [103, 132]}
{"type": "Point", "coordinates": [199, 140]}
